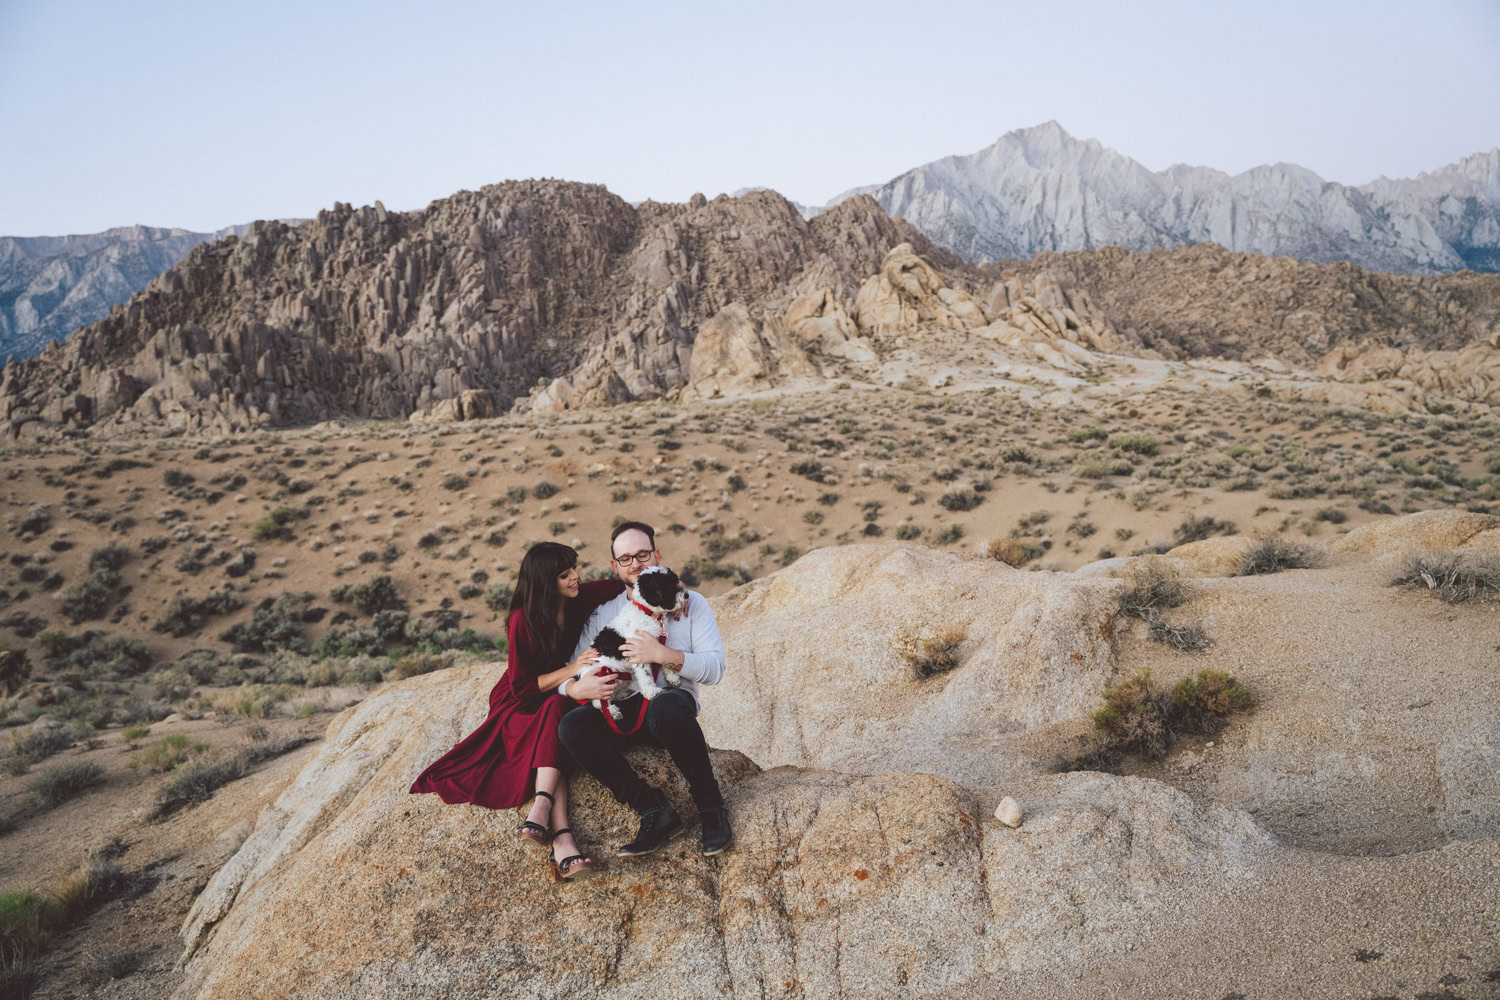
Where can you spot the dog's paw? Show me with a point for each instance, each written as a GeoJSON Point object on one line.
{"type": "Point", "coordinates": [615, 713]}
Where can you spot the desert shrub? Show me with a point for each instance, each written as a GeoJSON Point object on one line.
{"type": "Point", "coordinates": [379, 594]}
{"type": "Point", "coordinates": [790, 554]}
{"type": "Point", "coordinates": [948, 534]}
{"type": "Point", "coordinates": [177, 478]}
{"type": "Point", "coordinates": [454, 481]}
{"type": "Point", "coordinates": [267, 748]}
{"type": "Point", "coordinates": [936, 654]}
{"type": "Point", "coordinates": [28, 923]}
{"type": "Point", "coordinates": [61, 782]}
{"type": "Point", "coordinates": [497, 596]}
{"type": "Point", "coordinates": [1183, 638]}
{"type": "Point", "coordinates": [1099, 468]}
{"type": "Point", "coordinates": [1454, 577]}
{"type": "Point", "coordinates": [132, 733]}
{"type": "Point", "coordinates": [15, 667]}
{"type": "Point", "coordinates": [186, 615]}
{"type": "Point", "coordinates": [276, 526]}
{"type": "Point", "coordinates": [92, 596]}
{"type": "Point", "coordinates": [1138, 718]}
{"type": "Point", "coordinates": [101, 658]}
{"type": "Point", "coordinates": [543, 490]}
{"type": "Point", "coordinates": [1151, 585]}
{"type": "Point", "coordinates": [1332, 515]}
{"type": "Point", "coordinates": [1195, 529]}
{"type": "Point", "coordinates": [1088, 434]}
{"type": "Point", "coordinates": [196, 781]}
{"type": "Point", "coordinates": [37, 745]}
{"type": "Point", "coordinates": [275, 624]}
{"type": "Point", "coordinates": [816, 471]}
{"type": "Point", "coordinates": [1011, 551]}
{"type": "Point", "coordinates": [908, 532]}
{"type": "Point", "coordinates": [167, 753]}
{"type": "Point", "coordinates": [418, 663]}
{"type": "Point", "coordinates": [960, 497]}
{"type": "Point", "coordinates": [37, 519]}
{"type": "Point", "coordinates": [1018, 456]}
{"type": "Point", "coordinates": [1138, 444]}
{"type": "Point", "coordinates": [1272, 555]}
{"type": "Point", "coordinates": [253, 701]}
{"type": "Point", "coordinates": [516, 494]}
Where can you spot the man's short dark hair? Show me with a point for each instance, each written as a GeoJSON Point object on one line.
{"type": "Point", "coordinates": [625, 526]}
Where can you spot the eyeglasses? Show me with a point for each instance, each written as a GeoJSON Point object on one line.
{"type": "Point", "coordinates": [629, 559]}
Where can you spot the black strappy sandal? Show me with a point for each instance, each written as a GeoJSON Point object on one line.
{"type": "Point", "coordinates": [535, 831]}
{"type": "Point", "coordinates": [570, 868]}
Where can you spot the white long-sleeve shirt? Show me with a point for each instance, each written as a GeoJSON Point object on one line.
{"type": "Point", "coordinates": [695, 635]}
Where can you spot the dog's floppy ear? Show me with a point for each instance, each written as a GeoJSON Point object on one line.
{"type": "Point", "coordinates": [658, 588]}
{"type": "Point", "coordinates": [608, 643]}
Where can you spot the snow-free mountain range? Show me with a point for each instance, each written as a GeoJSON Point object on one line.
{"type": "Point", "coordinates": [1033, 190]}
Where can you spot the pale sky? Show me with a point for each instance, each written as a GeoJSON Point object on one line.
{"type": "Point", "coordinates": [206, 114]}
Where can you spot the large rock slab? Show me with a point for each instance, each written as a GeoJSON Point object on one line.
{"type": "Point", "coordinates": [817, 671]}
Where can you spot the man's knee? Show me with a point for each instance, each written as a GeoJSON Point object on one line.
{"type": "Point", "coordinates": [672, 709]}
{"type": "Point", "coordinates": [575, 728]}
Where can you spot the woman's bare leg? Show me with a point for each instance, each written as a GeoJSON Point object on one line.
{"type": "Point", "coordinates": [565, 845]}
{"type": "Point", "coordinates": [548, 779]}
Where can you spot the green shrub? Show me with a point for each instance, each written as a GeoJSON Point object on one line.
{"type": "Point", "coordinates": [497, 596]}
{"type": "Point", "coordinates": [543, 490]}
{"type": "Point", "coordinates": [948, 535]}
{"type": "Point", "coordinates": [1087, 434]}
{"type": "Point", "coordinates": [816, 471]}
{"type": "Point", "coordinates": [454, 481]}
{"type": "Point", "coordinates": [107, 658]}
{"type": "Point", "coordinates": [908, 532]}
{"type": "Point", "coordinates": [167, 753]}
{"type": "Point", "coordinates": [1137, 718]}
{"type": "Point", "coordinates": [61, 782]}
{"type": "Point", "coordinates": [133, 733]}
{"type": "Point", "coordinates": [186, 615]}
{"type": "Point", "coordinates": [1139, 444]}
{"type": "Point", "coordinates": [276, 526]}
{"type": "Point", "coordinates": [91, 597]}
{"type": "Point", "coordinates": [1272, 555]}
{"type": "Point", "coordinates": [1332, 515]}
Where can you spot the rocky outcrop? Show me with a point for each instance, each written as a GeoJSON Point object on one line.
{"type": "Point", "coordinates": [52, 285]}
{"type": "Point", "coordinates": [1206, 301]}
{"type": "Point", "coordinates": [385, 314]}
{"type": "Point", "coordinates": [907, 292]}
{"type": "Point", "coordinates": [853, 882]}
{"type": "Point", "coordinates": [731, 356]}
{"type": "Point", "coordinates": [1039, 190]}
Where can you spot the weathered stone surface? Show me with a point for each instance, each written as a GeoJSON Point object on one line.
{"type": "Point", "coordinates": [908, 291]}
{"type": "Point", "coordinates": [1038, 651]}
{"type": "Point", "coordinates": [1429, 529]}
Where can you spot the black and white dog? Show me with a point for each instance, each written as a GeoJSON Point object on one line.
{"type": "Point", "coordinates": [656, 596]}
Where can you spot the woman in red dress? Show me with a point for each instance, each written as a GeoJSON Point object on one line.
{"type": "Point", "coordinates": [515, 751]}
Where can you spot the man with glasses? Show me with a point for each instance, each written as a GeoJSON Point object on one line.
{"type": "Point", "coordinates": [695, 651]}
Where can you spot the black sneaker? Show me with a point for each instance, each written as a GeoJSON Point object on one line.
{"type": "Point", "coordinates": [658, 826]}
{"type": "Point", "coordinates": [717, 834]}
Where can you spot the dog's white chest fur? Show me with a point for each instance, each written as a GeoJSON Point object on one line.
{"type": "Point", "coordinates": [647, 607]}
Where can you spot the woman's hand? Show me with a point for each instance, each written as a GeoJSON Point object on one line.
{"type": "Point", "coordinates": [593, 686]}
{"type": "Point", "coordinates": [585, 659]}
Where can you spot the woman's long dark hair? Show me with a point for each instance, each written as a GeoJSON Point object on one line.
{"type": "Point", "coordinates": [537, 597]}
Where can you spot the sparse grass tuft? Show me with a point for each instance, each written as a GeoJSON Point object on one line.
{"type": "Point", "coordinates": [1455, 577]}
{"type": "Point", "coordinates": [61, 782]}
{"type": "Point", "coordinates": [1152, 585]}
{"type": "Point", "coordinates": [1272, 555]}
{"type": "Point", "coordinates": [937, 654]}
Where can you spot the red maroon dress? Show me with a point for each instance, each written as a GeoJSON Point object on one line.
{"type": "Point", "coordinates": [495, 765]}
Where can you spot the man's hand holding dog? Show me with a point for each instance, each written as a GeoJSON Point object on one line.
{"type": "Point", "coordinates": [646, 648]}
{"type": "Point", "coordinates": [591, 685]}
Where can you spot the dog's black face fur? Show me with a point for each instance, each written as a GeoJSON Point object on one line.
{"type": "Point", "coordinates": [659, 589]}
{"type": "Point", "coordinates": [608, 643]}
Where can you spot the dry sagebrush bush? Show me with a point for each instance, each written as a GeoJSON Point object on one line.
{"type": "Point", "coordinates": [935, 654]}
{"type": "Point", "coordinates": [1455, 577]}
{"type": "Point", "coordinates": [1272, 555]}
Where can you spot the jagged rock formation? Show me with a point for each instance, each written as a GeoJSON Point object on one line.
{"type": "Point", "coordinates": [52, 285]}
{"type": "Point", "coordinates": [863, 883]}
{"type": "Point", "coordinates": [381, 313]}
{"type": "Point", "coordinates": [1206, 301]}
{"type": "Point", "coordinates": [1040, 189]}
{"type": "Point", "coordinates": [550, 296]}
